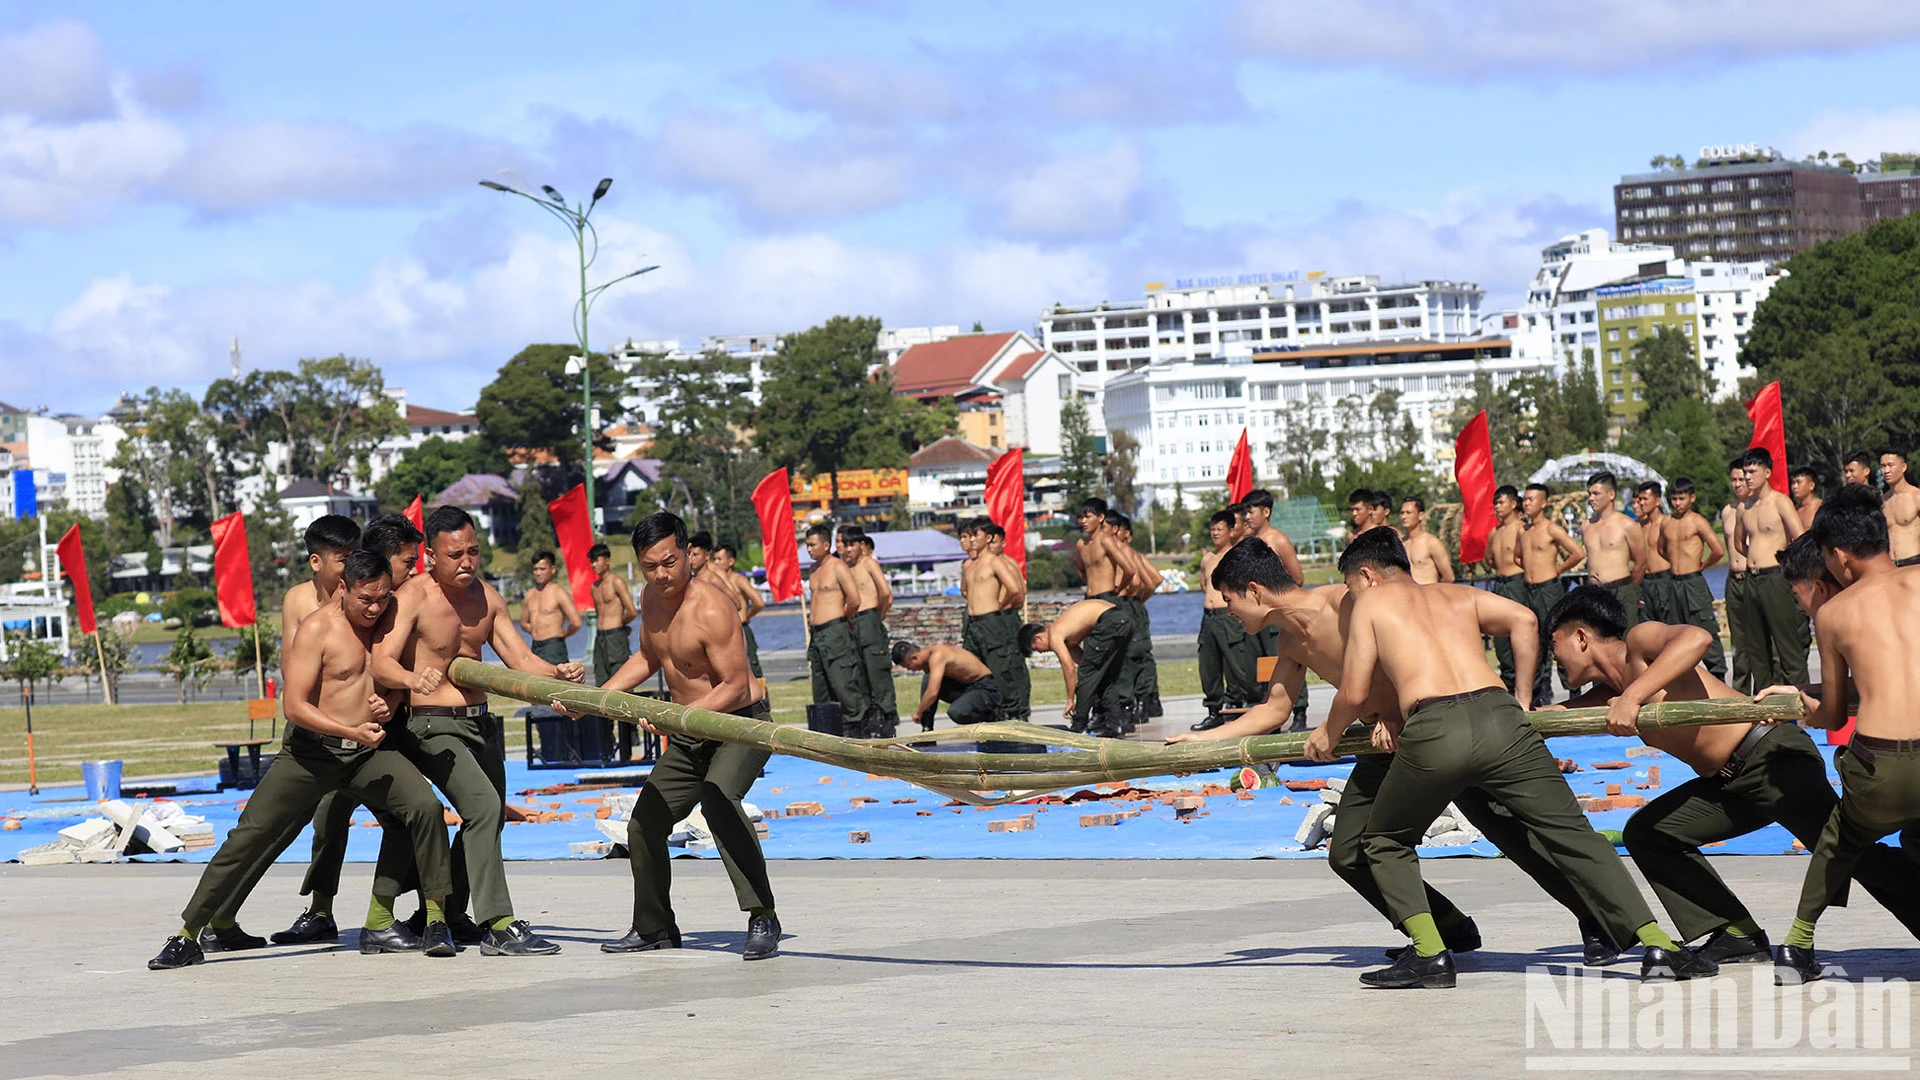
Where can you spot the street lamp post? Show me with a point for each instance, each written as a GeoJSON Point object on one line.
{"type": "Point", "coordinates": [578, 220]}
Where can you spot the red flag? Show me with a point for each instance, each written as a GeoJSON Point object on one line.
{"type": "Point", "coordinates": [1006, 499]}
{"type": "Point", "coordinates": [570, 518]}
{"type": "Point", "coordinates": [1240, 470]}
{"type": "Point", "coordinates": [1473, 471]}
{"type": "Point", "coordinates": [773, 504]}
{"type": "Point", "coordinates": [418, 517]}
{"type": "Point", "coordinates": [73, 559]}
{"type": "Point", "coordinates": [233, 571]}
{"type": "Point", "coordinates": [1770, 432]}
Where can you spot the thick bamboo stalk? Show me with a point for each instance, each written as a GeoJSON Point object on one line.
{"type": "Point", "coordinates": [1084, 760]}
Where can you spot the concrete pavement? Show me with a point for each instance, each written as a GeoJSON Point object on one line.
{"type": "Point", "coordinates": [903, 969]}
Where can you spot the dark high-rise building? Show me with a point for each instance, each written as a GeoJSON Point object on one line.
{"type": "Point", "coordinates": [1754, 207]}
{"type": "Point", "coordinates": [1892, 192]}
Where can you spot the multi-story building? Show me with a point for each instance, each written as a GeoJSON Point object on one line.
{"type": "Point", "coordinates": [1890, 190]}
{"type": "Point", "coordinates": [422, 424]}
{"type": "Point", "coordinates": [1009, 388]}
{"type": "Point", "coordinates": [1187, 415]}
{"type": "Point", "coordinates": [1559, 319]}
{"type": "Point", "coordinates": [1207, 318]}
{"type": "Point", "coordinates": [896, 340]}
{"type": "Point", "coordinates": [1738, 204]}
{"type": "Point", "coordinates": [641, 400]}
{"type": "Point", "coordinates": [1710, 303]}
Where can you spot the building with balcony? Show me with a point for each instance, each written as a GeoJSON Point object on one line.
{"type": "Point", "coordinates": [1009, 388]}
{"type": "Point", "coordinates": [1738, 204]}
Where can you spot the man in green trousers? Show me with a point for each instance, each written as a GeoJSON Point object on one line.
{"type": "Point", "coordinates": [870, 625]}
{"type": "Point", "coordinates": [1546, 551]}
{"type": "Point", "coordinates": [994, 592]}
{"type": "Point", "coordinates": [833, 652]}
{"type": "Point", "coordinates": [612, 612]}
{"type": "Point", "coordinates": [335, 730]}
{"type": "Point", "coordinates": [690, 630]}
{"type": "Point", "coordinates": [446, 614]}
{"type": "Point", "coordinates": [1688, 542]}
{"type": "Point", "coordinates": [1090, 638]}
{"type": "Point", "coordinates": [1768, 523]}
{"type": "Point", "coordinates": [1229, 655]}
{"type": "Point", "coordinates": [1464, 730]}
{"type": "Point", "coordinates": [1509, 577]}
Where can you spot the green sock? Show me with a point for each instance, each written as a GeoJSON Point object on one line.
{"type": "Point", "coordinates": [435, 912]}
{"type": "Point", "coordinates": [767, 911]}
{"type": "Point", "coordinates": [1801, 935]}
{"type": "Point", "coordinates": [501, 923]}
{"type": "Point", "coordinates": [191, 933]}
{"type": "Point", "coordinates": [224, 924]}
{"type": "Point", "coordinates": [322, 905]}
{"type": "Point", "coordinates": [1743, 928]}
{"type": "Point", "coordinates": [379, 912]}
{"type": "Point", "coordinates": [1425, 935]}
{"type": "Point", "coordinates": [1652, 936]}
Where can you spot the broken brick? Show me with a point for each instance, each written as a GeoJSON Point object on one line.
{"type": "Point", "coordinates": [1089, 821]}
{"type": "Point", "coordinates": [1613, 789]}
{"type": "Point", "coordinates": [1610, 765]}
{"type": "Point", "coordinates": [602, 813]}
{"type": "Point", "coordinates": [804, 809]}
{"type": "Point", "coordinates": [903, 802]}
{"type": "Point", "coordinates": [923, 813]}
{"type": "Point", "coordinates": [1653, 775]}
{"type": "Point", "coordinates": [859, 838]}
{"type": "Point", "coordinates": [1314, 784]}
{"type": "Point", "coordinates": [1243, 793]}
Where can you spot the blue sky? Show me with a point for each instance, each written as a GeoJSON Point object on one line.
{"type": "Point", "coordinates": [172, 176]}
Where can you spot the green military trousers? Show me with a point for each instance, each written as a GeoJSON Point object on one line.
{"type": "Point", "coordinates": [995, 639]}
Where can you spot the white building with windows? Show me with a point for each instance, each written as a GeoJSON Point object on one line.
{"type": "Point", "coordinates": [1561, 319]}
{"type": "Point", "coordinates": [1188, 415]}
{"type": "Point", "coordinates": [1726, 296]}
{"type": "Point", "coordinates": [1208, 318]}
{"type": "Point", "coordinates": [422, 424]}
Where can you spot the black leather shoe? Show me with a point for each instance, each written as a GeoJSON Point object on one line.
{"type": "Point", "coordinates": [763, 937]}
{"type": "Point", "coordinates": [1727, 948]}
{"type": "Point", "coordinates": [1596, 946]}
{"type": "Point", "coordinates": [635, 941]}
{"type": "Point", "coordinates": [1434, 972]}
{"type": "Point", "coordinates": [465, 930]}
{"type": "Point", "coordinates": [437, 940]}
{"type": "Point", "coordinates": [230, 939]}
{"type": "Point", "coordinates": [1792, 965]}
{"type": "Point", "coordinates": [179, 952]}
{"type": "Point", "coordinates": [518, 939]}
{"type": "Point", "coordinates": [1660, 965]}
{"type": "Point", "coordinates": [1209, 722]}
{"type": "Point", "coordinates": [395, 938]}
{"type": "Point", "coordinates": [308, 929]}
{"type": "Point", "coordinates": [1077, 724]}
{"type": "Point", "coordinates": [1464, 939]}
{"type": "Point", "coordinates": [1154, 708]}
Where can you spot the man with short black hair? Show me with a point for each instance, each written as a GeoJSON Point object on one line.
{"type": "Point", "coordinates": [1360, 510]}
{"type": "Point", "coordinates": [748, 599]}
{"type": "Point", "coordinates": [1432, 562]}
{"type": "Point", "coordinates": [1803, 486]}
{"type": "Point", "coordinates": [833, 652]}
{"type": "Point", "coordinates": [870, 626]}
{"type": "Point", "coordinates": [1768, 522]}
{"type": "Point", "coordinates": [613, 613]}
{"type": "Point", "coordinates": [952, 675]}
{"type": "Point", "coordinates": [1509, 576]}
{"type": "Point", "coordinates": [1689, 545]}
{"type": "Point", "coordinates": [1546, 552]}
{"type": "Point", "coordinates": [699, 552]}
{"type": "Point", "coordinates": [335, 728]}
{"type": "Point", "coordinates": [1379, 510]}
{"type": "Point", "coordinates": [1616, 551]}
{"type": "Point", "coordinates": [1229, 656]}
{"type": "Point", "coordinates": [547, 613]}
{"type": "Point", "coordinates": [447, 614]}
{"type": "Point", "coordinates": [1145, 582]}
{"type": "Point", "coordinates": [690, 632]}
{"type": "Point", "coordinates": [995, 592]}
{"type": "Point", "coordinates": [1902, 508]}
{"type": "Point", "coordinates": [1859, 469]}
{"type": "Point", "coordinates": [1090, 638]}
{"type": "Point", "coordinates": [1656, 585]}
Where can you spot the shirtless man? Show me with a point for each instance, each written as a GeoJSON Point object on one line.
{"type": "Point", "coordinates": [1090, 638]}
{"type": "Point", "coordinates": [1379, 510]}
{"type": "Point", "coordinates": [746, 597]}
{"type": "Point", "coordinates": [336, 722]}
{"type": "Point", "coordinates": [613, 611]}
{"type": "Point", "coordinates": [1229, 656]}
{"type": "Point", "coordinates": [1431, 561]}
{"type": "Point", "coordinates": [952, 675]}
{"type": "Point", "coordinates": [869, 624]}
{"type": "Point", "coordinates": [1509, 577]}
{"type": "Point", "coordinates": [1689, 545]}
{"type": "Point", "coordinates": [833, 653]}
{"type": "Point", "coordinates": [1902, 509]}
{"type": "Point", "coordinates": [1145, 581]}
{"type": "Point", "coordinates": [447, 613]}
{"type": "Point", "coordinates": [1463, 730]}
{"type": "Point", "coordinates": [1107, 573]}
{"type": "Point", "coordinates": [1752, 656]}
{"type": "Point", "coordinates": [1360, 511]}
{"type": "Point", "coordinates": [995, 592]}
{"type": "Point", "coordinates": [1616, 547]}
{"type": "Point", "coordinates": [1768, 522]}
{"type": "Point", "coordinates": [547, 613]}
{"type": "Point", "coordinates": [1802, 487]}
{"type": "Point", "coordinates": [690, 631]}
{"type": "Point", "coordinates": [1859, 469]}
{"type": "Point", "coordinates": [1656, 585]}
{"type": "Point", "coordinates": [1259, 506]}
{"type": "Point", "coordinates": [1260, 594]}
{"type": "Point", "coordinates": [1869, 634]}
{"type": "Point", "coordinates": [1546, 551]}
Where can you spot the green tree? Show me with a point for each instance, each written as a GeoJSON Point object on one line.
{"type": "Point", "coordinates": [534, 404]}
{"type": "Point", "coordinates": [130, 523]}
{"type": "Point", "coordinates": [272, 551]}
{"type": "Point", "coordinates": [1079, 455]}
{"type": "Point", "coordinates": [1582, 410]}
{"type": "Point", "coordinates": [29, 661]}
{"type": "Point", "coordinates": [326, 417]}
{"type": "Point", "coordinates": [255, 638]}
{"type": "Point", "coordinates": [189, 661]}
{"type": "Point", "coordinates": [1668, 369]}
{"type": "Point", "coordinates": [708, 463]}
{"type": "Point", "coordinates": [1118, 467]}
{"type": "Point", "coordinates": [428, 469]}
{"type": "Point", "coordinates": [536, 530]}
{"type": "Point", "coordinates": [112, 650]}
{"type": "Point", "coordinates": [165, 453]}
{"type": "Point", "coordinates": [1841, 332]}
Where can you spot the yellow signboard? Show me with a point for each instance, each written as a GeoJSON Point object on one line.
{"type": "Point", "coordinates": [854, 484]}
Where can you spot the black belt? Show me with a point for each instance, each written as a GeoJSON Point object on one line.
{"type": "Point", "coordinates": [1911, 560]}
{"type": "Point", "coordinates": [1738, 760]}
{"type": "Point", "coordinates": [1614, 584]}
{"type": "Point", "coordinates": [467, 712]}
{"type": "Point", "coordinates": [1687, 577]}
{"type": "Point", "coordinates": [1738, 575]}
{"type": "Point", "coordinates": [1454, 699]}
{"type": "Point", "coordinates": [830, 622]}
{"type": "Point", "coordinates": [1763, 571]}
{"type": "Point", "coordinates": [1511, 578]}
{"type": "Point", "coordinates": [1656, 575]}
{"type": "Point", "coordinates": [1864, 747]}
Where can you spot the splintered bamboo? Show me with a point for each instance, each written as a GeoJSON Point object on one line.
{"type": "Point", "coordinates": [1080, 760]}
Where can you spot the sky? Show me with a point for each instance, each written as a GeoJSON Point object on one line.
{"type": "Point", "coordinates": [306, 178]}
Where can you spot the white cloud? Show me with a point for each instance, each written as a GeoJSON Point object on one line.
{"type": "Point", "coordinates": [1074, 195]}
{"type": "Point", "coordinates": [1484, 40]}
{"type": "Point", "coordinates": [1863, 133]}
{"type": "Point", "coordinates": [780, 180]}
{"type": "Point", "coordinates": [55, 71]}
{"type": "Point", "coordinates": [65, 173]}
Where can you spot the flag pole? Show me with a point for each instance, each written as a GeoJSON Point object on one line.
{"type": "Point", "coordinates": [259, 667]}
{"type": "Point", "coordinates": [100, 652]}
{"type": "Point", "coordinates": [33, 776]}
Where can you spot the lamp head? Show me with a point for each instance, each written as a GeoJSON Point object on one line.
{"type": "Point", "coordinates": [552, 194]}
{"type": "Point", "coordinates": [575, 365]}
{"type": "Point", "coordinates": [495, 185]}
{"type": "Point", "coordinates": [600, 192]}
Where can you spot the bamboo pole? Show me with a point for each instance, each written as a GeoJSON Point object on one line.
{"type": "Point", "coordinates": [1081, 760]}
{"type": "Point", "coordinates": [100, 652]}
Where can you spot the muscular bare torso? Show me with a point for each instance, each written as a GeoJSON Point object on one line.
{"type": "Point", "coordinates": [676, 639]}
{"type": "Point", "coordinates": [1903, 521]}
{"type": "Point", "coordinates": [1610, 547]}
{"type": "Point", "coordinates": [833, 596]}
{"type": "Point", "coordinates": [1503, 547]}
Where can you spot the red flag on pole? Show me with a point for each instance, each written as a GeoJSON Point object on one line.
{"type": "Point", "coordinates": [1473, 471]}
{"type": "Point", "coordinates": [773, 504]}
{"type": "Point", "coordinates": [1770, 432]}
{"type": "Point", "coordinates": [233, 571]}
{"type": "Point", "coordinates": [418, 516]}
{"type": "Point", "coordinates": [1006, 499]}
{"type": "Point", "coordinates": [570, 518]}
{"type": "Point", "coordinates": [73, 559]}
{"type": "Point", "coordinates": [1240, 470]}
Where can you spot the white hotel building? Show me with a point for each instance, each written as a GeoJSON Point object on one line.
{"type": "Point", "coordinates": [1209, 318]}
{"type": "Point", "coordinates": [1187, 415]}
